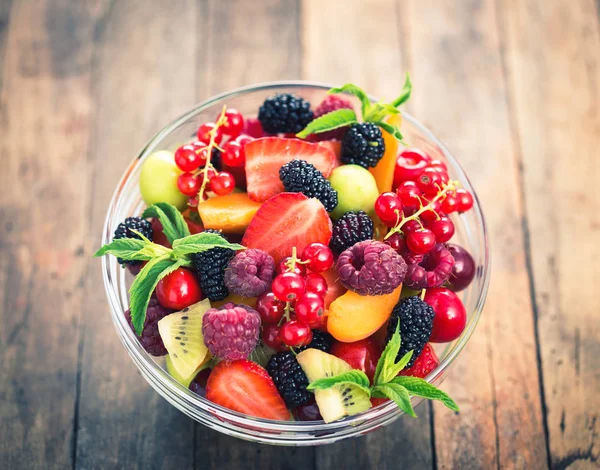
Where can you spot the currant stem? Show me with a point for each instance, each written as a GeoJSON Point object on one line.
{"type": "Point", "coordinates": [212, 144]}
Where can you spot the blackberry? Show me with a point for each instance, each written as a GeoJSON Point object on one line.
{"type": "Point", "coordinates": [299, 176]}
{"type": "Point", "coordinates": [150, 339]}
{"type": "Point", "coordinates": [289, 378]}
{"type": "Point", "coordinates": [351, 228]}
{"type": "Point", "coordinates": [124, 230]}
{"type": "Point", "coordinates": [363, 145]}
{"type": "Point", "coordinates": [416, 323]}
{"type": "Point", "coordinates": [210, 266]}
{"type": "Point", "coordinates": [320, 340]}
{"type": "Point", "coordinates": [284, 113]}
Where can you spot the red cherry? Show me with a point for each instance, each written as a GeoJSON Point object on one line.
{"type": "Point", "coordinates": [270, 336]}
{"type": "Point", "coordinates": [465, 200]}
{"type": "Point", "coordinates": [222, 184]}
{"type": "Point", "coordinates": [319, 257]}
{"type": "Point", "coordinates": [420, 241]}
{"type": "Point", "coordinates": [409, 194]}
{"type": "Point", "coordinates": [270, 308]}
{"type": "Point", "coordinates": [429, 181]}
{"type": "Point", "coordinates": [409, 163]}
{"type": "Point", "coordinates": [233, 154]}
{"type": "Point", "coordinates": [442, 228]}
{"type": "Point", "coordinates": [439, 164]}
{"type": "Point", "coordinates": [388, 208]}
{"type": "Point", "coordinates": [450, 203]}
{"type": "Point", "coordinates": [194, 227]}
{"type": "Point", "coordinates": [159, 236]}
{"type": "Point", "coordinates": [450, 315]}
{"type": "Point", "coordinates": [464, 268]}
{"type": "Point", "coordinates": [187, 158]}
{"type": "Point", "coordinates": [288, 286]}
{"type": "Point", "coordinates": [282, 267]}
{"type": "Point", "coordinates": [204, 133]}
{"type": "Point", "coordinates": [295, 333]}
{"type": "Point", "coordinates": [362, 355]}
{"type": "Point", "coordinates": [234, 123]}
{"type": "Point", "coordinates": [178, 290]}
{"type": "Point", "coordinates": [309, 309]}
{"type": "Point", "coordinates": [316, 284]}
{"type": "Point", "coordinates": [188, 184]}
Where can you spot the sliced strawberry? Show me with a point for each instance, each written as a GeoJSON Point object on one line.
{"type": "Point", "coordinates": [264, 158]}
{"type": "Point", "coordinates": [425, 363]}
{"type": "Point", "coordinates": [336, 147]}
{"type": "Point", "coordinates": [285, 221]}
{"type": "Point", "coordinates": [246, 387]}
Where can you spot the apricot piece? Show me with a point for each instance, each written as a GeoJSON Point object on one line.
{"type": "Point", "coordinates": [231, 213]}
{"type": "Point", "coordinates": [236, 299]}
{"type": "Point", "coordinates": [384, 170]}
{"type": "Point", "coordinates": [353, 317]}
{"type": "Point", "coordinates": [335, 288]}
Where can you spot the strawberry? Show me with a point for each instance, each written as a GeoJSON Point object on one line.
{"type": "Point", "coordinates": [285, 221]}
{"type": "Point", "coordinates": [336, 147]}
{"type": "Point", "coordinates": [246, 387]}
{"type": "Point", "coordinates": [424, 364]}
{"type": "Point", "coordinates": [264, 158]}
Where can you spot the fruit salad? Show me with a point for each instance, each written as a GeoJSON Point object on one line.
{"type": "Point", "coordinates": [298, 264]}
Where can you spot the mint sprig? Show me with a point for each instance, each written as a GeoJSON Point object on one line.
{"type": "Point", "coordinates": [329, 122]}
{"type": "Point", "coordinates": [386, 381]}
{"type": "Point", "coordinates": [161, 260]}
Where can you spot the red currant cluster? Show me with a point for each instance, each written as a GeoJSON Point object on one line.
{"type": "Point", "coordinates": [194, 159]}
{"type": "Point", "coordinates": [417, 212]}
{"type": "Point", "coordinates": [296, 303]}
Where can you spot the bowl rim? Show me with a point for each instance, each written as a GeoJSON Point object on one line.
{"type": "Point", "coordinates": [178, 393]}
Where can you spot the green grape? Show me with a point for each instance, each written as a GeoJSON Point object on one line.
{"type": "Point", "coordinates": [158, 180]}
{"type": "Point", "coordinates": [356, 188]}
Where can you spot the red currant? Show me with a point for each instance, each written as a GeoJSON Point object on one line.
{"type": "Point", "coordinates": [442, 228]}
{"type": "Point", "coordinates": [388, 208]}
{"type": "Point", "coordinates": [295, 333]}
{"type": "Point", "coordinates": [420, 241]}
{"type": "Point", "coordinates": [222, 184]}
{"type": "Point", "coordinates": [288, 286]}
{"type": "Point", "coordinates": [186, 158]}
{"type": "Point", "coordinates": [397, 241]}
{"type": "Point", "coordinates": [450, 203]}
{"type": "Point", "coordinates": [202, 154]}
{"type": "Point", "coordinates": [234, 123]}
{"type": "Point", "coordinates": [432, 213]}
{"type": "Point", "coordinates": [310, 308]}
{"type": "Point", "coordinates": [233, 154]}
{"type": "Point", "coordinates": [316, 284]}
{"type": "Point", "coordinates": [210, 174]}
{"type": "Point", "coordinates": [409, 194]}
{"type": "Point", "coordinates": [188, 184]}
{"type": "Point", "coordinates": [270, 336]}
{"type": "Point", "coordinates": [319, 257]}
{"type": "Point", "coordinates": [282, 267]}
{"type": "Point", "coordinates": [409, 164]}
{"type": "Point", "coordinates": [440, 165]}
{"type": "Point", "coordinates": [204, 133]}
{"type": "Point", "coordinates": [178, 290]}
{"type": "Point", "coordinates": [270, 308]}
{"type": "Point", "coordinates": [244, 139]}
{"type": "Point", "coordinates": [429, 181]}
{"type": "Point", "coordinates": [411, 226]}
{"type": "Point", "coordinates": [465, 200]}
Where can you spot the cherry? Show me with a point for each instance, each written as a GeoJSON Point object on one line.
{"type": "Point", "coordinates": [409, 194]}
{"type": "Point", "coordinates": [310, 308]}
{"type": "Point", "coordinates": [270, 336]}
{"type": "Point", "coordinates": [450, 203]}
{"type": "Point", "coordinates": [319, 257]}
{"type": "Point", "coordinates": [234, 154]}
{"type": "Point", "coordinates": [187, 158]}
{"type": "Point", "coordinates": [178, 290]}
{"type": "Point", "coordinates": [442, 228]}
{"type": "Point", "coordinates": [234, 123]}
{"type": "Point", "coordinates": [298, 269]}
{"type": "Point", "coordinates": [362, 355]}
{"type": "Point", "coordinates": [450, 315]}
{"type": "Point", "coordinates": [409, 163]}
{"type": "Point", "coordinates": [439, 164]}
{"type": "Point", "coordinates": [270, 308]}
{"type": "Point", "coordinates": [295, 333]}
{"type": "Point", "coordinates": [465, 200]}
{"type": "Point", "coordinates": [288, 286]}
{"type": "Point", "coordinates": [188, 184]}
{"type": "Point", "coordinates": [198, 385]}
{"type": "Point", "coordinates": [388, 208]}
{"type": "Point", "coordinates": [411, 226]}
{"type": "Point", "coordinates": [222, 184]}
{"type": "Point", "coordinates": [420, 241]}
{"type": "Point", "coordinates": [309, 412]}
{"type": "Point", "coordinates": [464, 268]}
{"type": "Point", "coordinates": [316, 284]}
{"type": "Point", "coordinates": [204, 133]}
{"type": "Point", "coordinates": [397, 241]}
{"type": "Point", "coordinates": [429, 181]}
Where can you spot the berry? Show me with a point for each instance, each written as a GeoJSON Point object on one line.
{"type": "Point", "coordinates": [210, 266]}
{"type": "Point", "coordinates": [265, 157]}
{"type": "Point", "coordinates": [215, 158]}
{"type": "Point", "coordinates": [409, 194]}
{"type": "Point", "coordinates": [420, 241]}
{"type": "Point", "coordinates": [331, 103]}
{"type": "Point", "coordinates": [208, 174]}
{"type": "Point", "coordinates": [204, 131]}
{"type": "Point", "coordinates": [245, 387]}
{"type": "Point", "coordinates": [371, 268]}
{"type": "Point", "coordinates": [188, 184]}
{"type": "Point", "coordinates": [316, 283]}
{"type": "Point", "coordinates": [424, 364]}
{"type": "Point", "coordinates": [253, 128]}
{"type": "Point", "coordinates": [231, 331]}
{"type": "Point", "coordinates": [270, 336]}
{"type": "Point", "coordinates": [150, 338]}
{"type": "Point", "coordinates": [222, 184]}
{"type": "Point", "coordinates": [234, 154]}
{"type": "Point", "coordinates": [464, 268]}
{"type": "Point", "coordinates": [388, 208]}
{"type": "Point", "coordinates": [288, 286]}
{"type": "Point", "coordinates": [310, 309]}
{"type": "Point", "coordinates": [362, 355]}
{"type": "Point", "coordinates": [409, 164]}
{"type": "Point", "coordinates": [295, 333]}
{"type": "Point", "coordinates": [308, 412]}
{"type": "Point", "coordinates": [363, 145]}
{"type": "Point", "coordinates": [198, 385]}
{"type": "Point", "coordinates": [397, 242]}
{"type": "Point", "coordinates": [270, 308]}
{"type": "Point", "coordinates": [465, 200]}
{"type": "Point", "coordinates": [450, 203]}
{"type": "Point", "coordinates": [320, 340]}
{"type": "Point", "coordinates": [289, 378]}
{"type": "Point", "coordinates": [299, 176]}
{"type": "Point", "coordinates": [234, 123]}
{"type": "Point", "coordinates": [429, 181]}
{"type": "Point", "coordinates": [124, 230]}
{"type": "Point", "coordinates": [432, 212]}
{"type": "Point", "coordinates": [431, 271]}
{"type": "Point", "coordinates": [250, 273]}
{"type": "Point", "coordinates": [438, 165]}
{"type": "Point", "coordinates": [450, 315]}
{"type": "Point", "coordinates": [319, 257]}
{"type": "Point", "coordinates": [416, 320]}
{"type": "Point", "coordinates": [187, 157]}
{"type": "Point", "coordinates": [284, 113]}
{"type": "Point", "coordinates": [442, 228]}
{"type": "Point", "coordinates": [282, 267]}
{"type": "Point", "coordinates": [351, 228]}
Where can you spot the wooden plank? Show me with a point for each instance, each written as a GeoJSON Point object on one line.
{"type": "Point", "coordinates": [460, 92]}
{"type": "Point", "coordinates": [143, 77]}
{"type": "Point", "coordinates": [553, 62]}
{"type": "Point", "coordinates": [45, 126]}
{"type": "Point", "coordinates": [331, 49]}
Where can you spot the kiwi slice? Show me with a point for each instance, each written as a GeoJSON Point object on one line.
{"type": "Point", "coordinates": [340, 400]}
{"type": "Point", "coordinates": [181, 333]}
{"type": "Point", "coordinates": [186, 381]}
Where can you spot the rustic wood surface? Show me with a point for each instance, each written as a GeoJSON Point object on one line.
{"type": "Point", "coordinates": [511, 86]}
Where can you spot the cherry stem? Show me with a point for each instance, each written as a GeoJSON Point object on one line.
{"type": "Point", "coordinates": [212, 144]}
{"type": "Point", "coordinates": [286, 312]}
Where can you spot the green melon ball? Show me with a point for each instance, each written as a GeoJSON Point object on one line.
{"type": "Point", "coordinates": [158, 180]}
{"type": "Point", "coordinates": [356, 188]}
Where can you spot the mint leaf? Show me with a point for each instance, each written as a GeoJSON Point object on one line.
{"type": "Point", "coordinates": [356, 91]}
{"type": "Point", "coordinates": [354, 377]}
{"type": "Point", "coordinates": [378, 111]}
{"type": "Point", "coordinates": [387, 361]}
{"type": "Point", "coordinates": [406, 92]}
{"type": "Point", "coordinates": [421, 388]}
{"type": "Point", "coordinates": [132, 249]}
{"type": "Point", "coordinates": [396, 393]}
{"type": "Point", "coordinates": [173, 223]}
{"type": "Point", "coordinates": [200, 242]}
{"type": "Point", "coordinates": [391, 129]}
{"type": "Point", "coordinates": [328, 122]}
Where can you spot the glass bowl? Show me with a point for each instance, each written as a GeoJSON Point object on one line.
{"type": "Point", "coordinates": [126, 201]}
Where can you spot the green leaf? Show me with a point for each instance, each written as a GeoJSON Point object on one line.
{"type": "Point", "coordinates": [387, 360]}
{"type": "Point", "coordinates": [200, 242]}
{"type": "Point", "coordinates": [173, 223]}
{"type": "Point", "coordinates": [406, 91]}
{"type": "Point", "coordinates": [329, 121]}
{"type": "Point", "coordinates": [391, 129]}
{"type": "Point", "coordinates": [398, 394]}
{"type": "Point", "coordinates": [356, 91]}
{"type": "Point", "coordinates": [354, 377]}
{"type": "Point", "coordinates": [132, 249]}
{"type": "Point", "coordinates": [421, 388]}
{"type": "Point", "coordinates": [379, 111]}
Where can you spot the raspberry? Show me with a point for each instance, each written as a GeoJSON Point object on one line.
{"type": "Point", "coordinates": [416, 323]}
{"type": "Point", "coordinates": [231, 331]}
{"type": "Point", "coordinates": [371, 267]}
{"type": "Point", "coordinates": [363, 145]}
{"type": "Point", "coordinates": [124, 230]}
{"type": "Point", "coordinates": [331, 103]}
{"type": "Point", "coordinates": [299, 176]}
{"type": "Point", "coordinates": [289, 378]}
{"type": "Point", "coordinates": [284, 113]}
{"type": "Point", "coordinates": [430, 270]}
{"type": "Point", "coordinates": [351, 228]}
{"type": "Point", "coordinates": [150, 339]}
{"type": "Point", "coordinates": [210, 266]}
{"type": "Point", "coordinates": [250, 273]}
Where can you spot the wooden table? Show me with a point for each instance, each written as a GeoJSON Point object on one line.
{"type": "Point", "coordinates": [513, 88]}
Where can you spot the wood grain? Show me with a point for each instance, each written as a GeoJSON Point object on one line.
{"type": "Point", "coordinates": [553, 62]}
{"type": "Point", "coordinates": [460, 92]}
